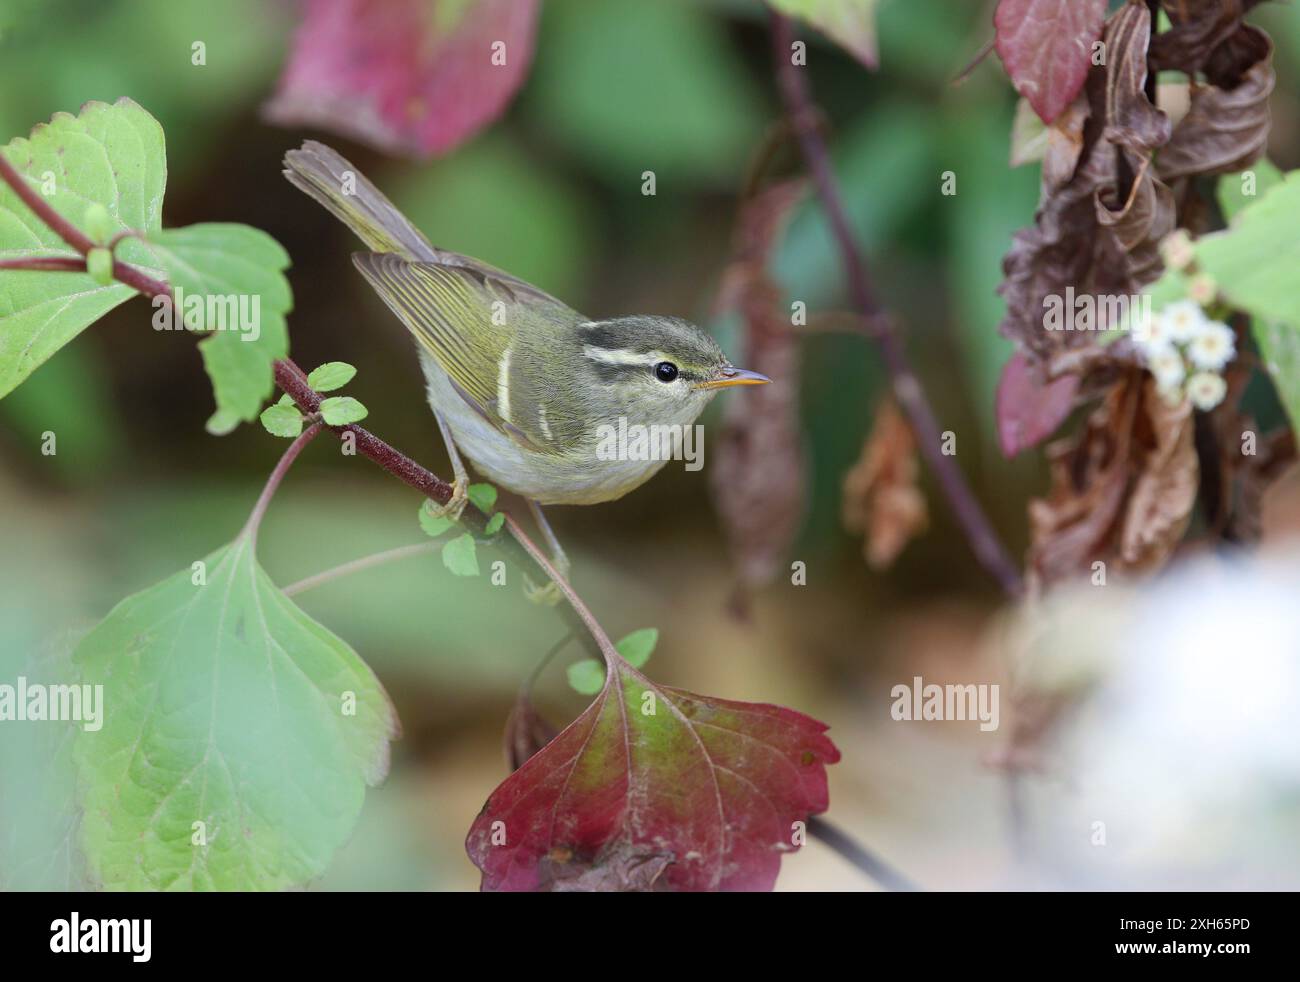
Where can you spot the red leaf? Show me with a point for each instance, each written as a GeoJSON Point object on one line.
{"type": "Point", "coordinates": [414, 77]}
{"type": "Point", "coordinates": [700, 794]}
{"type": "Point", "coordinates": [1028, 410]}
{"type": "Point", "coordinates": [1046, 47]}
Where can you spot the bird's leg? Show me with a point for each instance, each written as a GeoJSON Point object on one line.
{"type": "Point", "coordinates": [550, 593]}
{"type": "Point", "coordinates": [460, 483]}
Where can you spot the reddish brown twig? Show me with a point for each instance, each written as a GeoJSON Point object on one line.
{"type": "Point", "coordinates": [984, 540]}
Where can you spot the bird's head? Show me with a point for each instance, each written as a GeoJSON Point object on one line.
{"type": "Point", "coordinates": [656, 369]}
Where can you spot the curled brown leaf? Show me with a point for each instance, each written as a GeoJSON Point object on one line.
{"type": "Point", "coordinates": [881, 496]}
{"type": "Point", "coordinates": [1103, 209]}
{"type": "Point", "coordinates": [1122, 490]}
{"type": "Point", "coordinates": [1226, 127]}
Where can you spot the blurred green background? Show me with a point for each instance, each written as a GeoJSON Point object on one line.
{"type": "Point", "coordinates": [552, 192]}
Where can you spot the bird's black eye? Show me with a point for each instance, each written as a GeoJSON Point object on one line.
{"type": "Point", "coordinates": [665, 371]}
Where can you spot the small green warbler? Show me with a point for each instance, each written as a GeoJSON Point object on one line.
{"type": "Point", "coordinates": [519, 382]}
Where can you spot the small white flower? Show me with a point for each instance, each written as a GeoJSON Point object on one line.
{"type": "Point", "coordinates": [1183, 320]}
{"type": "Point", "coordinates": [1177, 250]}
{"type": "Point", "coordinates": [1166, 366]}
{"type": "Point", "coordinates": [1206, 390]}
{"type": "Point", "coordinates": [1150, 332]}
{"type": "Point", "coordinates": [1213, 346]}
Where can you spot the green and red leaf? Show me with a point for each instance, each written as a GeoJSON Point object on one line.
{"type": "Point", "coordinates": [656, 788]}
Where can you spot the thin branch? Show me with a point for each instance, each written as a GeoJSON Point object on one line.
{"type": "Point", "coordinates": [52, 264]}
{"type": "Point", "coordinates": [984, 540]}
{"type": "Point", "coordinates": [857, 854]}
{"type": "Point", "coordinates": [358, 565]}
{"type": "Point", "coordinates": [277, 476]}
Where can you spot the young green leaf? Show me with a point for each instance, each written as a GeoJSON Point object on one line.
{"type": "Point", "coordinates": [340, 410]}
{"type": "Point", "coordinates": [230, 285]}
{"type": "Point", "coordinates": [282, 420]}
{"type": "Point", "coordinates": [99, 264]}
{"type": "Point", "coordinates": [461, 556]}
{"type": "Point", "coordinates": [484, 497]}
{"type": "Point", "coordinates": [638, 646]}
{"type": "Point", "coordinates": [111, 156]}
{"type": "Point", "coordinates": [587, 676]}
{"type": "Point", "coordinates": [99, 224]}
{"type": "Point", "coordinates": [330, 376]}
{"type": "Point", "coordinates": [433, 525]}
{"type": "Point", "coordinates": [239, 737]}
{"type": "Point", "coordinates": [494, 523]}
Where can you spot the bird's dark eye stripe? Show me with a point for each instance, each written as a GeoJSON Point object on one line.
{"type": "Point", "coordinates": [613, 373]}
{"type": "Point", "coordinates": [602, 337]}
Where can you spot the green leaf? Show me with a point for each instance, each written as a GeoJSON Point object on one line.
{"type": "Point", "coordinates": [229, 706]}
{"type": "Point", "coordinates": [461, 556]}
{"type": "Point", "coordinates": [433, 525]}
{"type": "Point", "coordinates": [330, 376]}
{"type": "Point", "coordinates": [1028, 135]}
{"type": "Point", "coordinates": [221, 422]}
{"type": "Point", "coordinates": [494, 523]}
{"type": "Point", "coordinates": [38, 809]}
{"type": "Point", "coordinates": [1279, 347]}
{"type": "Point", "coordinates": [484, 497]}
{"type": "Point", "coordinates": [587, 676]}
{"type": "Point", "coordinates": [110, 156]}
{"type": "Point", "coordinates": [1253, 262]}
{"type": "Point", "coordinates": [229, 284]}
{"type": "Point", "coordinates": [341, 410]}
{"type": "Point", "coordinates": [849, 23]}
{"type": "Point", "coordinates": [638, 646]}
{"type": "Point", "coordinates": [1232, 187]}
{"type": "Point", "coordinates": [282, 420]}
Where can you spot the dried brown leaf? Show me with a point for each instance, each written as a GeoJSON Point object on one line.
{"type": "Point", "coordinates": [1226, 128]}
{"type": "Point", "coordinates": [1085, 236]}
{"type": "Point", "coordinates": [1122, 490]}
{"type": "Point", "coordinates": [881, 496]}
{"type": "Point", "coordinates": [758, 471]}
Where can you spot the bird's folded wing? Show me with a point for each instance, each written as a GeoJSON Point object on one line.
{"type": "Point", "coordinates": [464, 314]}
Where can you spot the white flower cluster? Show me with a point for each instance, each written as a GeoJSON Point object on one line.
{"type": "Point", "coordinates": [1186, 352]}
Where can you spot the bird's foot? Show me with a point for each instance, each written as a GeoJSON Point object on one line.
{"type": "Point", "coordinates": [455, 505]}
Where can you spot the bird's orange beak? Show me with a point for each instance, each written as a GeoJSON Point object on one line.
{"type": "Point", "coordinates": [729, 376]}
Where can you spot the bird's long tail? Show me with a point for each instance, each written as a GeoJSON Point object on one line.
{"type": "Point", "coordinates": [328, 177]}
